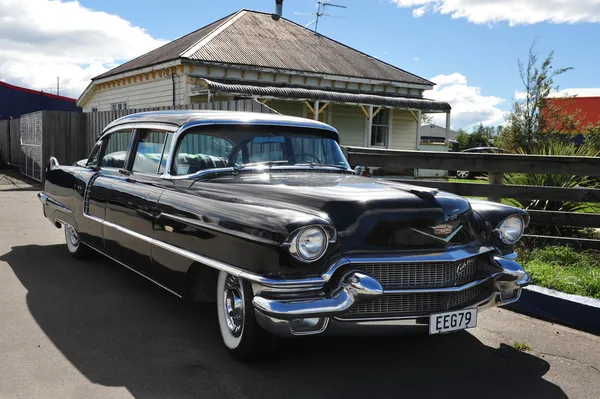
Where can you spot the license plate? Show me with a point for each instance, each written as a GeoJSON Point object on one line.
{"type": "Point", "coordinates": [452, 321]}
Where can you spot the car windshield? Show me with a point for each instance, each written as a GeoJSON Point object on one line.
{"type": "Point", "coordinates": [246, 148]}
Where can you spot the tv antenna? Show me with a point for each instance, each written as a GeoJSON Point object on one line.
{"type": "Point", "coordinates": [321, 8]}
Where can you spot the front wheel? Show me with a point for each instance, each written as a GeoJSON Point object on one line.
{"type": "Point", "coordinates": [74, 245]}
{"type": "Point", "coordinates": [241, 334]}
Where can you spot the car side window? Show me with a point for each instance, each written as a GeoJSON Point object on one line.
{"type": "Point", "coordinates": [95, 154]}
{"type": "Point", "coordinates": [151, 149]}
{"type": "Point", "coordinates": [116, 149]}
{"type": "Point", "coordinates": [198, 152]}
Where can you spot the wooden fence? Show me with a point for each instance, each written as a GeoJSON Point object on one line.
{"type": "Point", "coordinates": [496, 165]}
{"type": "Point", "coordinates": [97, 121]}
{"type": "Point", "coordinates": [28, 142]}
{"type": "Point", "coordinates": [10, 147]}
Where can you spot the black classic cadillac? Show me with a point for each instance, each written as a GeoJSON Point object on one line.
{"type": "Point", "coordinates": [262, 215]}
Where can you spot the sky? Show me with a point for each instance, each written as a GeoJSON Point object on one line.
{"type": "Point", "coordinates": [469, 48]}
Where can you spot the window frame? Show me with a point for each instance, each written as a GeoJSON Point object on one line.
{"type": "Point", "coordinates": [105, 138]}
{"type": "Point", "coordinates": [385, 111]}
{"type": "Point", "coordinates": [130, 160]}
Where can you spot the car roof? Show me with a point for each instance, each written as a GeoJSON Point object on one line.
{"type": "Point", "coordinates": [183, 117]}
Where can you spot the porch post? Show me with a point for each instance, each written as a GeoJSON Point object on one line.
{"type": "Point", "coordinates": [317, 107]}
{"type": "Point", "coordinates": [419, 117]}
{"type": "Point", "coordinates": [369, 128]}
{"type": "Point", "coordinates": [447, 126]}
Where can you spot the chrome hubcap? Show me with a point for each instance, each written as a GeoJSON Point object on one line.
{"type": "Point", "coordinates": [72, 236]}
{"type": "Point", "coordinates": [233, 305]}
{"type": "Point", "coordinates": [463, 174]}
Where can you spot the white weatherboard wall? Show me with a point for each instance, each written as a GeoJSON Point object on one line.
{"type": "Point", "coordinates": [291, 108]}
{"type": "Point", "coordinates": [349, 120]}
{"type": "Point", "coordinates": [404, 130]}
{"type": "Point", "coordinates": [149, 93]}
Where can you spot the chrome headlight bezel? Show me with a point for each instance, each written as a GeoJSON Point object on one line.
{"type": "Point", "coordinates": [294, 241]}
{"type": "Point", "coordinates": [501, 229]}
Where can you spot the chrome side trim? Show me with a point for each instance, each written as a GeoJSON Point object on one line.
{"type": "Point", "coordinates": [135, 271]}
{"type": "Point", "coordinates": [308, 283]}
{"type": "Point", "coordinates": [47, 200]}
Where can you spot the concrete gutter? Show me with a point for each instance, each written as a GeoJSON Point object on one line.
{"type": "Point", "coordinates": [581, 313]}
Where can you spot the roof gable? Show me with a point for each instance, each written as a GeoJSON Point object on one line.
{"type": "Point", "coordinates": [257, 39]}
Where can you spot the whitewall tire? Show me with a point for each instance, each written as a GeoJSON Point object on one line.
{"type": "Point", "coordinates": [242, 336]}
{"type": "Point", "coordinates": [74, 244]}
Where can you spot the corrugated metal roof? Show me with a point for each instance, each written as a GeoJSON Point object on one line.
{"type": "Point", "coordinates": [329, 96]}
{"type": "Point", "coordinates": [168, 52]}
{"type": "Point", "coordinates": [256, 39]}
{"type": "Point", "coordinates": [263, 40]}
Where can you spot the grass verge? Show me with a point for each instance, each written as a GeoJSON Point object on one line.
{"type": "Point", "coordinates": [564, 269]}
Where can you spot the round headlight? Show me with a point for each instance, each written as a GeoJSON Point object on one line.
{"type": "Point", "coordinates": [511, 229]}
{"type": "Point", "coordinates": [309, 244]}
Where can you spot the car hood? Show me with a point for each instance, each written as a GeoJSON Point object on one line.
{"type": "Point", "coordinates": [367, 213]}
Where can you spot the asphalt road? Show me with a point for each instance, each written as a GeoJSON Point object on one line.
{"type": "Point", "coordinates": [74, 329]}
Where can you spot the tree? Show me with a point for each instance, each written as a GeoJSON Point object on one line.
{"type": "Point", "coordinates": [481, 136]}
{"type": "Point", "coordinates": [426, 119]}
{"type": "Point", "coordinates": [531, 115]}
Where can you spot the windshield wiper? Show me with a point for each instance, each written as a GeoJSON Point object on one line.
{"type": "Point", "coordinates": [312, 165]}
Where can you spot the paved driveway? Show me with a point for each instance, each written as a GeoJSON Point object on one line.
{"type": "Point", "coordinates": [73, 329]}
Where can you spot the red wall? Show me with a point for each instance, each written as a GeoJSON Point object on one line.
{"type": "Point", "coordinates": [589, 108]}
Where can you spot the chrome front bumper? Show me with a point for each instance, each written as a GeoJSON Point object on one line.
{"type": "Point", "coordinates": [292, 315]}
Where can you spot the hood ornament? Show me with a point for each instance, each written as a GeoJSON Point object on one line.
{"type": "Point", "coordinates": [441, 232]}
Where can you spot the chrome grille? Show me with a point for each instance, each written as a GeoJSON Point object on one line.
{"type": "Point", "coordinates": [394, 305]}
{"type": "Point", "coordinates": [422, 274]}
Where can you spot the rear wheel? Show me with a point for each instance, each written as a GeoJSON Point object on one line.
{"type": "Point", "coordinates": [241, 334]}
{"type": "Point", "coordinates": [74, 244]}
{"type": "Point", "coordinates": [463, 174]}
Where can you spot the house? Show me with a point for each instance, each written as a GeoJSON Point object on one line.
{"type": "Point", "coordinates": [286, 66]}
{"type": "Point", "coordinates": [16, 101]}
{"type": "Point", "coordinates": [433, 130]}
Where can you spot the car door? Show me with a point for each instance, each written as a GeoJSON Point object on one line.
{"type": "Point", "coordinates": [107, 157]}
{"type": "Point", "coordinates": [133, 197]}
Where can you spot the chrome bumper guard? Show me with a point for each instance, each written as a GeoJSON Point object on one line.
{"type": "Point", "coordinates": [279, 314]}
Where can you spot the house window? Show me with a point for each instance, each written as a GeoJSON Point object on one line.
{"type": "Point", "coordinates": [94, 109]}
{"type": "Point", "coordinates": [118, 106]}
{"type": "Point", "coordinates": [380, 128]}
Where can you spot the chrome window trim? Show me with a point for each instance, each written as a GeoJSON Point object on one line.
{"type": "Point", "coordinates": [208, 122]}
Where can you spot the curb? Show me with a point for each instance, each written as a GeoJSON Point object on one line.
{"type": "Point", "coordinates": [578, 312]}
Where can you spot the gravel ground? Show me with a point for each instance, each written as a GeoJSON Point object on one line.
{"type": "Point", "coordinates": [73, 329]}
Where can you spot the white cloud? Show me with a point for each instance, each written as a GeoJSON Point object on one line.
{"type": "Point", "coordinates": [469, 106]}
{"type": "Point", "coordinates": [41, 39]}
{"type": "Point", "coordinates": [514, 12]}
{"type": "Point", "coordinates": [520, 95]}
{"type": "Point", "coordinates": [579, 92]}
{"type": "Point", "coordinates": [416, 59]}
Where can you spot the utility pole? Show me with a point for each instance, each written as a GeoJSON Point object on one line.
{"type": "Point", "coordinates": [58, 85]}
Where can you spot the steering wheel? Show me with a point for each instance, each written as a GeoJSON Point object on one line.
{"type": "Point", "coordinates": [309, 155]}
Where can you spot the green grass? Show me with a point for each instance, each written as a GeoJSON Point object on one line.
{"type": "Point", "coordinates": [564, 269]}
{"type": "Point", "coordinates": [521, 346]}
{"type": "Point", "coordinates": [476, 181]}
